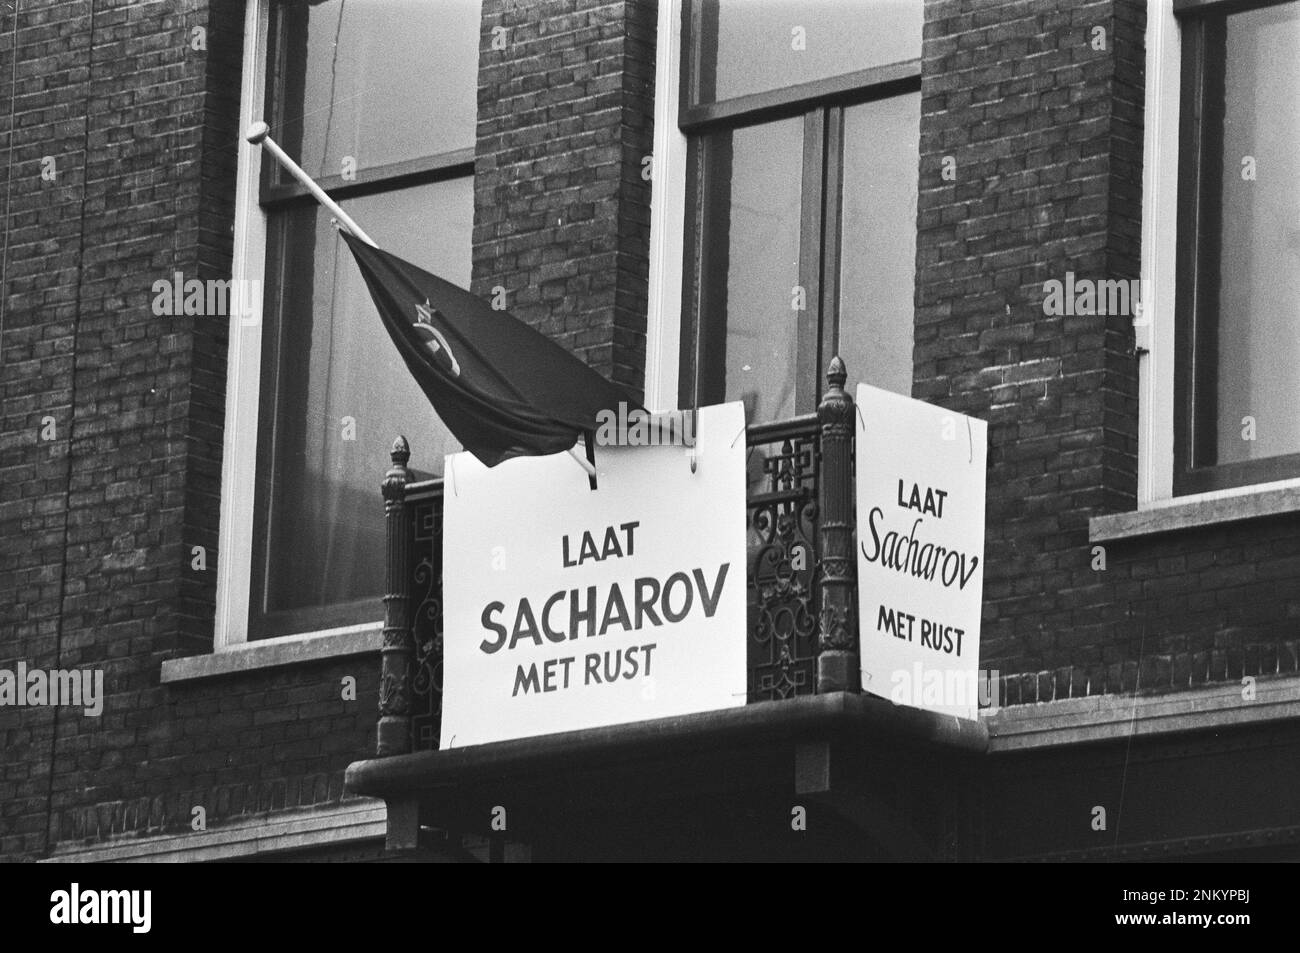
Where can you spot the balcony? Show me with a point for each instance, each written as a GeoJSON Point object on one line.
{"type": "Point", "coordinates": [803, 734]}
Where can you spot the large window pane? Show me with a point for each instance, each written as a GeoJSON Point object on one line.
{"type": "Point", "coordinates": [377, 82]}
{"type": "Point", "coordinates": [878, 240]}
{"type": "Point", "coordinates": [1255, 258]}
{"type": "Point", "coordinates": [752, 46]}
{"type": "Point", "coordinates": [754, 179]}
{"type": "Point", "coordinates": [339, 393]}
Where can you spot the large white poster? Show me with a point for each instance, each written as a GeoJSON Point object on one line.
{"type": "Point", "coordinates": [920, 519]}
{"type": "Point", "coordinates": [567, 607]}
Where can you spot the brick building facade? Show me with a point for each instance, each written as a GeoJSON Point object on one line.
{"type": "Point", "coordinates": [1146, 636]}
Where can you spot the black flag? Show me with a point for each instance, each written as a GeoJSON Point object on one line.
{"type": "Point", "coordinates": [503, 389]}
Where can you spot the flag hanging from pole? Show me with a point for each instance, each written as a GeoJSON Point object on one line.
{"type": "Point", "coordinates": [502, 388]}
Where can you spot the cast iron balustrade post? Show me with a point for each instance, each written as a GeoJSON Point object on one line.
{"type": "Point", "coordinates": [837, 633]}
{"type": "Point", "coordinates": [398, 654]}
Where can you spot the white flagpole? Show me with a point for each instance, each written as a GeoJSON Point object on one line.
{"type": "Point", "coordinates": [259, 134]}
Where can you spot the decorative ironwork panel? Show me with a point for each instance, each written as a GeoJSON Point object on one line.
{"type": "Point", "coordinates": [426, 621]}
{"type": "Point", "coordinates": [782, 593]}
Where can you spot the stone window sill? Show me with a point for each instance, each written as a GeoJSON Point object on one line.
{"type": "Point", "coordinates": [274, 653]}
{"type": "Point", "coordinates": [353, 821]}
{"type": "Point", "coordinates": [1117, 717]}
{"type": "Point", "coordinates": [1209, 510]}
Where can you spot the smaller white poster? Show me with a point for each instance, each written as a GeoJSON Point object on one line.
{"type": "Point", "coordinates": [920, 534]}
{"type": "Point", "coordinates": [568, 608]}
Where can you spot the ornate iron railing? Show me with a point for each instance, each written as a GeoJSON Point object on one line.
{"type": "Point", "coordinates": [783, 600]}
{"type": "Point", "coordinates": [425, 505]}
{"type": "Point", "coordinates": [800, 589]}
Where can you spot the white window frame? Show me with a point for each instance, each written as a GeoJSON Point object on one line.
{"type": "Point", "coordinates": [667, 217]}
{"type": "Point", "coordinates": [243, 368]}
{"type": "Point", "coordinates": [1156, 325]}
{"type": "Point", "coordinates": [239, 459]}
{"type": "Point", "coordinates": [243, 382]}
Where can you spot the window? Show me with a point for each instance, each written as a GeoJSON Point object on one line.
{"type": "Point", "coordinates": [377, 102]}
{"type": "Point", "coordinates": [1237, 370]}
{"type": "Point", "coordinates": [803, 132]}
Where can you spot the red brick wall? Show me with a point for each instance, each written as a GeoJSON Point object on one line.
{"type": "Point", "coordinates": [246, 744]}
{"type": "Point", "coordinates": [561, 210]}
{"type": "Point", "coordinates": [97, 525]}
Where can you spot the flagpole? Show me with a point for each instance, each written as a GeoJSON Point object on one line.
{"type": "Point", "coordinates": [259, 134]}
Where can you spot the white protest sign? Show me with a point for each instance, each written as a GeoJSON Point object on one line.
{"type": "Point", "coordinates": [920, 533]}
{"type": "Point", "coordinates": [569, 608]}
